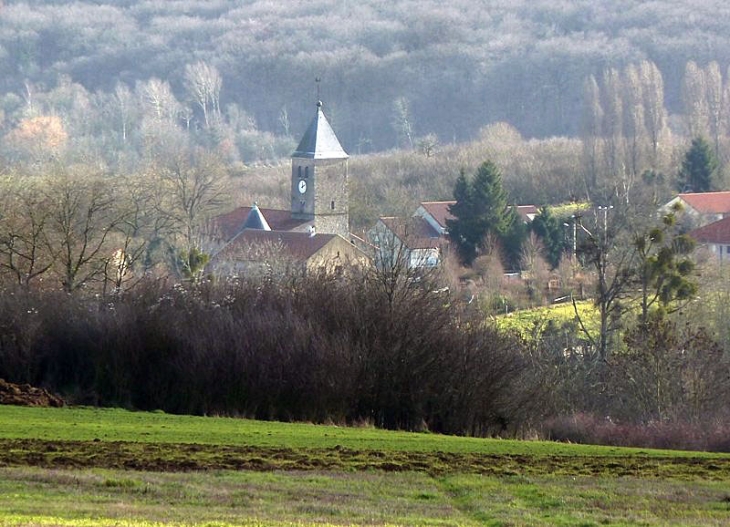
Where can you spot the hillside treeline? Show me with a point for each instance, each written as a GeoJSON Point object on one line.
{"type": "Point", "coordinates": [391, 73]}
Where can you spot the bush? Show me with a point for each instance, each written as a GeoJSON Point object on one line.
{"type": "Point", "coordinates": [384, 350]}
{"type": "Point", "coordinates": [590, 429]}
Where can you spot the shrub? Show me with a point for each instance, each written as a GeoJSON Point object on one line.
{"type": "Point", "coordinates": [678, 435]}
{"type": "Point", "coordinates": [369, 348]}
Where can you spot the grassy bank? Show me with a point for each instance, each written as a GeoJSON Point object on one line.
{"type": "Point", "coordinates": [113, 425]}
{"type": "Point", "coordinates": [531, 323]}
{"type": "Point", "coordinates": [176, 470]}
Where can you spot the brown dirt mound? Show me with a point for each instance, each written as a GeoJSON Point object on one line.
{"type": "Point", "coordinates": [27, 395]}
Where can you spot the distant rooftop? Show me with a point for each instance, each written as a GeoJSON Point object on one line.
{"type": "Point", "coordinates": [297, 245]}
{"type": "Point", "coordinates": [415, 232]}
{"type": "Point", "coordinates": [229, 224]}
{"type": "Point", "coordinates": [439, 211]}
{"type": "Point", "coordinates": [717, 233]}
{"type": "Point", "coordinates": [708, 202]}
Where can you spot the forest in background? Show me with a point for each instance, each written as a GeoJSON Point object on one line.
{"type": "Point", "coordinates": [391, 72]}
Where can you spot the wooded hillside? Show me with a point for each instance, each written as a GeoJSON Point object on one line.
{"type": "Point", "coordinates": [390, 72]}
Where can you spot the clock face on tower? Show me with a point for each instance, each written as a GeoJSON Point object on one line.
{"type": "Point", "coordinates": [302, 186]}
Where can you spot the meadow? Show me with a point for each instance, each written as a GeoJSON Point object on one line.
{"type": "Point", "coordinates": [531, 324]}
{"type": "Point", "coordinates": [89, 466]}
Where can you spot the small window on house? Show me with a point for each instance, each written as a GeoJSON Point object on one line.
{"type": "Point", "coordinates": [306, 172]}
{"type": "Point", "coordinates": [299, 171]}
{"type": "Point", "coordinates": [332, 204]}
{"type": "Point", "coordinates": [727, 249]}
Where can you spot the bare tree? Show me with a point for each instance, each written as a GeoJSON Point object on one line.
{"type": "Point", "coordinates": [613, 104]}
{"type": "Point", "coordinates": [125, 107]}
{"type": "Point", "coordinates": [694, 99]}
{"type": "Point", "coordinates": [634, 120]}
{"type": "Point", "coordinates": [655, 113]}
{"type": "Point", "coordinates": [428, 144]}
{"type": "Point", "coordinates": [604, 251]}
{"type": "Point", "coordinates": [535, 270]}
{"type": "Point", "coordinates": [158, 100]}
{"type": "Point", "coordinates": [139, 229]}
{"type": "Point", "coordinates": [192, 188]}
{"type": "Point", "coordinates": [592, 131]}
{"type": "Point", "coordinates": [403, 121]}
{"type": "Point", "coordinates": [203, 83]}
{"type": "Point", "coordinates": [715, 103]}
{"type": "Point", "coordinates": [82, 220]}
{"type": "Point", "coordinates": [25, 252]}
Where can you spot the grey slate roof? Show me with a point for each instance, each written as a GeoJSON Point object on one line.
{"type": "Point", "coordinates": [320, 141]}
{"type": "Point", "coordinates": [256, 220]}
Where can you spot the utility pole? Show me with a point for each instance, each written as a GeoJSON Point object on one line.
{"type": "Point", "coordinates": [605, 217]}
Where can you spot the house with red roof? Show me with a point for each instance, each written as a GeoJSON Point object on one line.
{"type": "Point", "coordinates": [422, 239]}
{"type": "Point", "coordinates": [702, 208]}
{"type": "Point", "coordinates": [411, 240]}
{"type": "Point", "coordinates": [716, 237]}
{"type": "Point", "coordinates": [437, 213]}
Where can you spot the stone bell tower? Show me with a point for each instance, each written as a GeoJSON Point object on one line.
{"type": "Point", "coordinates": [319, 179]}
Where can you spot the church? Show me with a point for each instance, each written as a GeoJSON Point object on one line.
{"type": "Point", "coordinates": [313, 234]}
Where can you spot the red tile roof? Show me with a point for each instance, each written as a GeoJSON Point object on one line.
{"type": "Point", "coordinates": [298, 245]}
{"type": "Point", "coordinates": [229, 224]}
{"type": "Point", "coordinates": [527, 212]}
{"type": "Point", "coordinates": [439, 211]}
{"type": "Point", "coordinates": [708, 202]}
{"type": "Point", "coordinates": [717, 233]}
{"type": "Point", "coordinates": [416, 232]}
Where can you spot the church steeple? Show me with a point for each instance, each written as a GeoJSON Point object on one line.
{"type": "Point", "coordinates": [319, 178]}
{"type": "Point", "coordinates": [320, 141]}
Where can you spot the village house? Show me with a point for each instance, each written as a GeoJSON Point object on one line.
{"type": "Point", "coordinates": [410, 240]}
{"type": "Point", "coordinates": [715, 237]}
{"type": "Point", "coordinates": [422, 239]}
{"type": "Point", "coordinates": [701, 208]}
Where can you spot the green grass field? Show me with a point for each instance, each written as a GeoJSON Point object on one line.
{"type": "Point", "coordinates": [106, 424]}
{"type": "Point", "coordinates": [83, 466]}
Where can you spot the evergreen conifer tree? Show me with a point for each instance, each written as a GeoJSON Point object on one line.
{"type": "Point", "coordinates": [698, 168]}
{"type": "Point", "coordinates": [481, 209]}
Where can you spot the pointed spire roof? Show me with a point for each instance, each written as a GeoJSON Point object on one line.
{"type": "Point", "coordinates": [320, 141]}
{"type": "Point", "coordinates": [256, 220]}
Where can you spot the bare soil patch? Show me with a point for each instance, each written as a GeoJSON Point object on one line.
{"type": "Point", "coordinates": [27, 395]}
{"type": "Point", "coordinates": [190, 457]}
